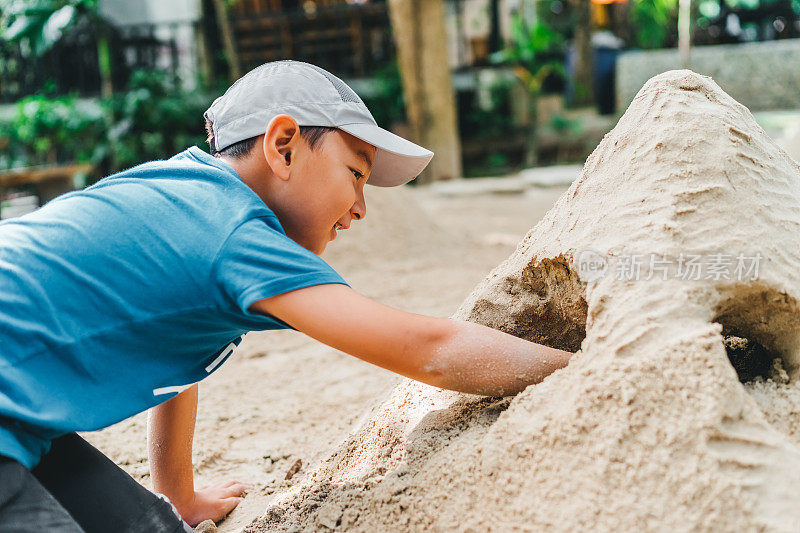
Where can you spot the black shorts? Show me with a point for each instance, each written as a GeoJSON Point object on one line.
{"type": "Point", "coordinates": [75, 488]}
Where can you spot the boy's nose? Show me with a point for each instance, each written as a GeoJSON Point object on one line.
{"type": "Point", "coordinates": [359, 210]}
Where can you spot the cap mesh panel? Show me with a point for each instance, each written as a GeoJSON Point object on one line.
{"type": "Point", "coordinates": [346, 93]}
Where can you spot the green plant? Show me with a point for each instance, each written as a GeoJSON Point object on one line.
{"type": "Point", "coordinates": [51, 131]}
{"type": "Point", "coordinates": [40, 24]}
{"type": "Point", "coordinates": [153, 119]}
{"type": "Point", "coordinates": [534, 53]}
{"type": "Point", "coordinates": [489, 119]}
{"type": "Point", "coordinates": [387, 104]}
{"type": "Point", "coordinates": [566, 125]}
{"type": "Point", "coordinates": [654, 22]}
{"type": "Point", "coordinates": [496, 162]}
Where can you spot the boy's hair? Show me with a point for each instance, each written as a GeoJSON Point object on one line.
{"type": "Point", "coordinates": [312, 134]}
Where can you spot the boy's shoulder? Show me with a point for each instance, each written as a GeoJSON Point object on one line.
{"type": "Point", "coordinates": [190, 164]}
{"type": "Point", "coordinates": [191, 188]}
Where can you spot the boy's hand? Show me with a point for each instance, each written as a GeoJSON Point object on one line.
{"type": "Point", "coordinates": [213, 502]}
{"type": "Point", "coordinates": [170, 430]}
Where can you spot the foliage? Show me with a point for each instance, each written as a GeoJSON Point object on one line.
{"type": "Point", "coordinates": [534, 52]}
{"type": "Point", "coordinates": [566, 125]}
{"type": "Point", "coordinates": [654, 22]}
{"type": "Point", "coordinates": [45, 130]}
{"type": "Point", "coordinates": [743, 4]}
{"type": "Point", "coordinates": [387, 105]}
{"type": "Point", "coordinates": [492, 118]}
{"type": "Point", "coordinates": [557, 15]}
{"type": "Point", "coordinates": [152, 120]}
{"type": "Point", "coordinates": [41, 23]}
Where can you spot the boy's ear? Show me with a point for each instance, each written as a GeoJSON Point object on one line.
{"type": "Point", "coordinates": [280, 142]}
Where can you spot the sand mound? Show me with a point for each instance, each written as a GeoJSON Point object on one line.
{"type": "Point", "coordinates": [649, 427]}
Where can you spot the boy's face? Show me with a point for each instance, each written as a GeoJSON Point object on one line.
{"type": "Point", "coordinates": [325, 191]}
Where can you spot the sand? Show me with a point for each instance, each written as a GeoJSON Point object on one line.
{"type": "Point", "coordinates": [649, 427]}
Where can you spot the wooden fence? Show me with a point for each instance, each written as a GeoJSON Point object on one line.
{"type": "Point", "coordinates": [71, 65]}
{"type": "Point", "coordinates": [349, 39]}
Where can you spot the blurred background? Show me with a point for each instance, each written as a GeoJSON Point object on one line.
{"type": "Point", "coordinates": [494, 87]}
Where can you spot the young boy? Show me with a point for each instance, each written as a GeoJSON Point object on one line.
{"type": "Point", "coordinates": [121, 297]}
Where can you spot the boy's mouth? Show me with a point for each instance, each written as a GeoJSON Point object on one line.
{"type": "Point", "coordinates": [335, 229]}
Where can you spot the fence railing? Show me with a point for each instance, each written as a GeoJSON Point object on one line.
{"type": "Point", "coordinates": [71, 65]}
{"type": "Point", "coordinates": [349, 39]}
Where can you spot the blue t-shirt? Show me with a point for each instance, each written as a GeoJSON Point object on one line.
{"type": "Point", "coordinates": [115, 298]}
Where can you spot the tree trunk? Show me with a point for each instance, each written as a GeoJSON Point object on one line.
{"type": "Point", "coordinates": [104, 62]}
{"type": "Point", "coordinates": [421, 38]}
{"type": "Point", "coordinates": [228, 41]}
{"type": "Point", "coordinates": [621, 22]}
{"type": "Point", "coordinates": [684, 31]}
{"type": "Point", "coordinates": [583, 52]}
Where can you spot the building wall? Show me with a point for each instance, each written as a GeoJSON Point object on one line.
{"type": "Point", "coordinates": [125, 12]}
{"type": "Point", "coordinates": [173, 19]}
{"type": "Point", "coordinates": [763, 75]}
{"type": "Point", "coordinates": [475, 23]}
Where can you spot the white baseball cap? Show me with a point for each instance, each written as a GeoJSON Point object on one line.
{"type": "Point", "coordinates": [313, 97]}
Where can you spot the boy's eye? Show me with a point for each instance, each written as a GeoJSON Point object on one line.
{"type": "Point", "coordinates": [357, 174]}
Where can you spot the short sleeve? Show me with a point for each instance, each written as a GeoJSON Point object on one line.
{"type": "Point", "coordinates": [258, 261]}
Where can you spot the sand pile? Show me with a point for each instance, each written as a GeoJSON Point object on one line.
{"type": "Point", "coordinates": [649, 427]}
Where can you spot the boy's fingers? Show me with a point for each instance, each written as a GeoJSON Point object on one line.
{"type": "Point", "coordinates": [229, 483]}
{"type": "Point", "coordinates": [236, 490]}
{"type": "Point", "coordinates": [228, 504]}
{"type": "Point", "coordinates": [229, 487]}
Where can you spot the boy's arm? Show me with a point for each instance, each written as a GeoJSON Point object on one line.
{"type": "Point", "coordinates": [170, 431]}
{"type": "Point", "coordinates": [446, 353]}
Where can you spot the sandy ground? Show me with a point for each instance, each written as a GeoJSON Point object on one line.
{"type": "Point", "coordinates": [285, 397]}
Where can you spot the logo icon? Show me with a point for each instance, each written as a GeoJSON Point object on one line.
{"type": "Point", "coordinates": [590, 265]}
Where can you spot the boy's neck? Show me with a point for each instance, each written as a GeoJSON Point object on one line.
{"type": "Point", "coordinates": [254, 174]}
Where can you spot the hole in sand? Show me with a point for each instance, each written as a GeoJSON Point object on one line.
{"type": "Point", "coordinates": [750, 359]}
{"type": "Point", "coordinates": [758, 330]}
{"type": "Point", "coordinates": [552, 306]}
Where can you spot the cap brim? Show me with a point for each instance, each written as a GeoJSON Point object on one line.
{"type": "Point", "coordinates": [397, 160]}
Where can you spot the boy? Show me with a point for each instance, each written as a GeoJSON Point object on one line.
{"type": "Point", "coordinates": [121, 297]}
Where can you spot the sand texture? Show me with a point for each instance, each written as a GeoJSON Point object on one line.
{"type": "Point", "coordinates": [649, 427]}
